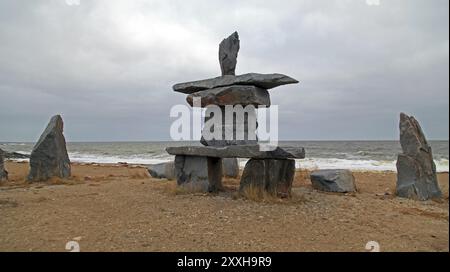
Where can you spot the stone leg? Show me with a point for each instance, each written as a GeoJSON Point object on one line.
{"type": "Point", "coordinates": [191, 172]}
{"type": "Point", "coordinates": [271, 175]}
{"type": "Point", "coordinates": [230, 167]}
{"type": "Point", "coordinates": [199, 174]}
{"type": "Point", "coordinates": [215, 174]}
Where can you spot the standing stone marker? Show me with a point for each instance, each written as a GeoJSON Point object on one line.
{"type": "Point", "coordinates": [3, 172]}
{"type": "Point", "coordinates": [49, 156]}
{"type": "Point", "coordinates": [416, 171]}
{"type": "Point", "coordinates": [229, 130]}
{"type": "Point", "coordinates": [228, 52]}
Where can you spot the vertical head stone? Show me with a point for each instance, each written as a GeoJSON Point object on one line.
{"type": "Point", "coordinates": [228, 52]}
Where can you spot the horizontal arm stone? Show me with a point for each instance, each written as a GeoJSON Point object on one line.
{"type": "Point", "coordinates": [265, 81]}
{"type": "Point", "coordinates": [238, 151]}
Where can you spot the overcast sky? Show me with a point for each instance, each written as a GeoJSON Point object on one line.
{"type": "Point", "coordinates": [108, 66]}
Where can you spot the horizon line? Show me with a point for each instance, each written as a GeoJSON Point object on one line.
{"type": "Point", "coordinates": [287, 140]}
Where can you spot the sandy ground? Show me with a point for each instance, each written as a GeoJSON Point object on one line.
{"type": "Point", "coordinates": [120, 208]}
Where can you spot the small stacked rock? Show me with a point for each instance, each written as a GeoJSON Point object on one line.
{"type": "Point", "coordinates": [276, 167]}
{"type": "Point", "coordinates": [3, 172]}
{"type": "Point", "coordinates": [416, 171]}
{"type": "Point", "coordinates": [49, 157]}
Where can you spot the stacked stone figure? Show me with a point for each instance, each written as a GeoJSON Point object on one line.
{"type": "Point", "coordinates": [235, 137]}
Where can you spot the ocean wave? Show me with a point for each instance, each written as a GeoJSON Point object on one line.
{"type": "Point", "coordinates": [133, 159]}
{"type": "Point", "coordinates": [358, 165]}
{"type": "Point", "coordinates": [442, 164]}
{"type": "Point", "coordinates": [13, 144]}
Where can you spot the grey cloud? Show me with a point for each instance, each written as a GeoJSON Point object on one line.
{"type": "Point", "coordinates": [108, 66]}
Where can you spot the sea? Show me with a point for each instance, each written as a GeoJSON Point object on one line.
{"type": "Point", "coordinates": [353, 155]}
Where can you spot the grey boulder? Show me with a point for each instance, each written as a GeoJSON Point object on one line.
{"type": "Point", "coordinates": [264, 81]}
{"type": "Point", "coordinates": [339, 181]}
{"type": "Point", "coordinates": [416, 171]}
{"type": "Point", "coordinates": [162, 170]}
{"type": "Point", "coordinates": [3, 172]}
{"type": "Point", "coordinates": [228, 52]}
{"type": "Point", "coordinates": [232, 95]}
{"type": "Point", "coordinates": [49, 157]}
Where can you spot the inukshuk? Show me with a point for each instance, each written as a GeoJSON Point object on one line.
{"type": "Point", "coordinates": [200, 167]}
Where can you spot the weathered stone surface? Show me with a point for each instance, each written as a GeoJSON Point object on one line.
{"type": "Point", "coordinates": [230, 167]}
{"type": "Point", "coordinates": [238, 129]}
{"type": "Point", "coordinates": [228, 52]}
{"type": "Point", "coordinates": [332, 180]}
{"type": "Point", "coordinates": [272, 176]}
{"type": "Point", "coordinates": [232, 95]}
{"type": "Point", "coordinates": [49, 156]}
{"type": "Point", "coordinates": [215, 172]}
{"type": "Point", "coordinates": [264, 81]}
{"type": "Point", "coordinates": [162, 170]}
{"type": "Point", "coordinates": [416, 171]}
{"type": "Point", "coordinates": [192, 172]}
{"type": "Point", "coordinates": [197, 173]}
{"type": "Point", "coordinates": [238, 151]}
{"type": "Point", "coordinates": [3, 172]}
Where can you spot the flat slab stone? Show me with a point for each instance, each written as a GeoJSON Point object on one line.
{"type": "Point", "coordinates": [333, 180]}
{"type": "Point", "coordinates": [264, 81]}
{"type": "Point", "coordinates": [238, 151]}
{"type": "Point", "coordinates": [232, 95]}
